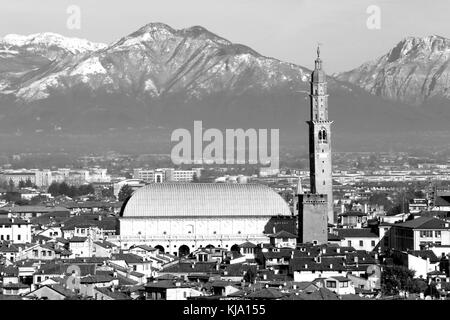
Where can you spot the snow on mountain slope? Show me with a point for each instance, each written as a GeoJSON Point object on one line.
{"type": "Point", "coordinates": [414, 71]}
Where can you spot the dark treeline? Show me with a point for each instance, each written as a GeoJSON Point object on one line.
{"type": "Point", "coordinates": [58, 189]}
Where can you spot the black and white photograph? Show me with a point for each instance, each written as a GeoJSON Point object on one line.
{"type": "Point", "coordinates": [229, 155]}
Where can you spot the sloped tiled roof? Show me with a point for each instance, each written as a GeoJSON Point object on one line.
{"type": "Point", "coordinates": [424, 254]}
{"type": "Point", "coordinates": [88, 220]}
{"type": "Point", "coordinates": [353, 214]}
{"type": "Point", "coordinates": [97, 278]}
{"type": "Point", "coordinates": [199, 267]}
{"type": "Point", "coordinates": [283, 234]}
{"type": "Point", "coordinates": [356, 233]}
{"type": "Point", "coordinates": [266, 293]}
{"type": "Point", "coordinates": [424, 223]}
{"type": "Point", "coordinates": [247, 244]}
{"type": "Point", "coordinates": [442, 201]}
{"type": "Point", "coordinates": [115, 295]}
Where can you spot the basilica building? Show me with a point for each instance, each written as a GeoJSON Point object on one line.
{"type": "Point", "coordinates": [178, 218]}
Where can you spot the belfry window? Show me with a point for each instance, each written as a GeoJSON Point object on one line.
{"type": "Point", "coordinates": [323, 136]}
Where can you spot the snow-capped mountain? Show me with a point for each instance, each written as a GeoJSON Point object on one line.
{"type": "Point", "coordinates": [415, 71]}
{"type": "Point", "coordinates": [161, 76]}
{"type": "Point", "coordinates": [157, 60]}
{"type": "Point", "coordinates": [48, 40]}
{"type": "Point", "coordinates": [23, 57]}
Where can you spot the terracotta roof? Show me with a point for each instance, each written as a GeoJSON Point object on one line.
{"type": "Point", "coordinates": [128, 257]}
{"type": "Point", "coordinates": [424, 223]}
{"type": "Point", "coordinates": [321, 294]}
{"type": "Point", "coordinates": [310, 264]}
{"type": "Point", "coordinates": [353, 214]}
{"type": "Point", "coordinates": [116, 295]}
{"type": "Point", "coordinates": [424, 254]}
{"type": "Point", "coordinates": [12, 221]}
{"type": "Point", "coordinates": [77, 239]}
{"type": "Point", "coordinates": [89, 220]}
{"type": "Point", "coordinates": [247, 244]}
{"type": "Point", "coordinates": [442, 201]}
{"type": "Point", "coordinates": [283, 234]}
{"type": "Point", "coordinates": [96, 278]}
{"type": "Point", "coordinates": [356, 233]}
{"type": "Point", "coordinates": [266, 293]}
{"type": "Point", "coordinates": [199, 267]}
{"type": "Point", "coordinates": [15, 286]}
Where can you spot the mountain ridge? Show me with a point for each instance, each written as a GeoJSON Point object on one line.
{"type": "Point", "coordinates": [160, 76]}
{"type": "Point", "coordinates": [415, 71]}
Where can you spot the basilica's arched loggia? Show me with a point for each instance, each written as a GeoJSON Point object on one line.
{"type": "Point", "coordinates": [196, 215]}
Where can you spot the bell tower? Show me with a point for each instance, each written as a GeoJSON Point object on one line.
{"type": "Point", "coordinates": [320, 138]}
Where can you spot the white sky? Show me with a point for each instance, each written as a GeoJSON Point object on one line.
{"type": "Point", "coordinates": [285, 29]}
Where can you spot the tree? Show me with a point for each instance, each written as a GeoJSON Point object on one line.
{"type": "Point", "coordinates": [125, 192]}
{"type": "Point", "coordinates": [28, 183]}
{"type": "Point", "coordinates": [396, 278]}
{"type": "Point", "coordinates": [86, 189]}
{"type": "Point", "coordinates": [38, 200]}
{"type": "Point", "coordinates": [11, 185]}
{"type": "Point", "coordinates": [53, 189]}
{"type": "Point", "coordinates": [107, 193]}
{"type": "Point", "coordinates": [380, 199]}
{"type": "Point", "coordinates": [249, 276]}
{"type": "Point", "coordinates": [21, 184]}
{"type": "Point", "coordinates": [64, 189]}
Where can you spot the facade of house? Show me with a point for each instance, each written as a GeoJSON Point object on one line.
{"type": "Point", "coordinates": [358, 238]}
{"type": "Point", "coordinates": [353, 219]}
{"type": "Point", "coordinates": [15, 230]}
{"type": "Point", "coordinates": [417, 234]}
{"type": "Point", "coordinates": [283, 239]}
{"type": "Point", "coordinates": [338, 284]}
{"type": "Point", "coordinates": [169, 290]}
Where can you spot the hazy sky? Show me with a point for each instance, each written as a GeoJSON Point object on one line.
{"type": "Point", "coordinates": [285, 29]}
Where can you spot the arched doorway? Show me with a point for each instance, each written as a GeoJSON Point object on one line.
{"type": "Point", "coordinates": [183, 250]}
{"type": "Point", "coordinates": [209, 246]}
{"type": "Point", "coordinates": [235, 248]}
{"type": "Point", "coordinates": [160, 248]}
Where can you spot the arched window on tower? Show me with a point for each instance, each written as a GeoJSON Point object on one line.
{"type": "Point", "coordinates": [323, 135]}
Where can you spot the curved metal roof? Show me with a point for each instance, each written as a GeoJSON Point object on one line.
{"type": "Point", "coordinates": [204, 199]}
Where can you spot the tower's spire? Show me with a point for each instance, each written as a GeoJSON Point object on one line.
{"type": "Point", "coordinates": [318, 60]}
